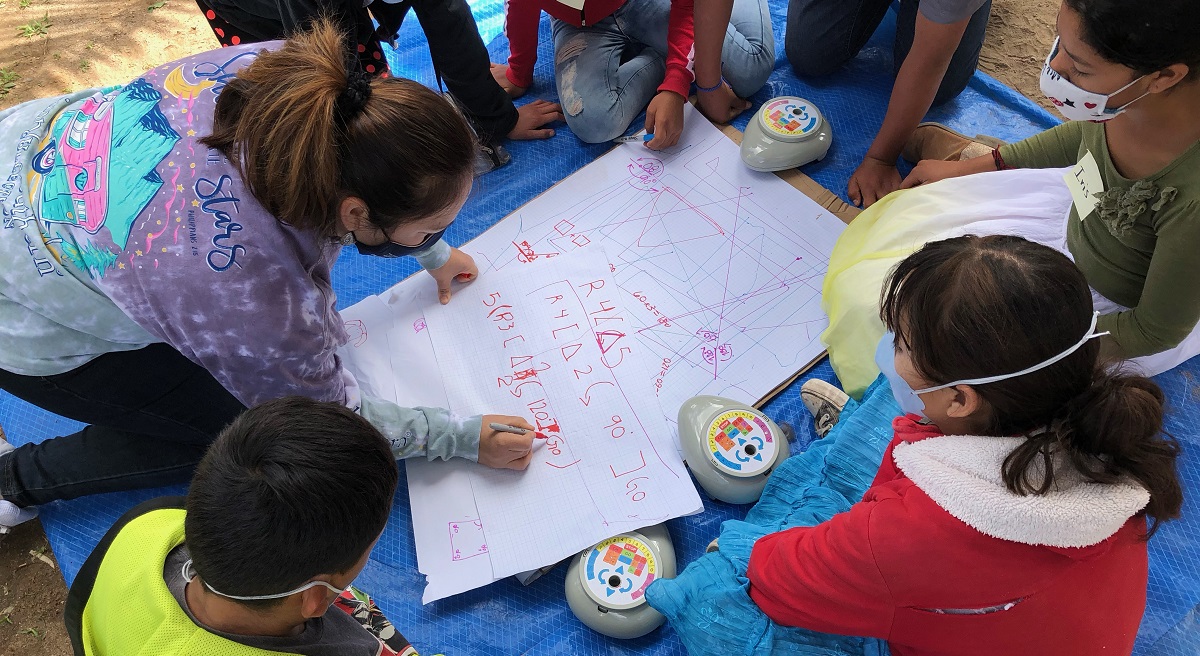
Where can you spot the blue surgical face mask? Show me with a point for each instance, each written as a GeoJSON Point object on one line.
{"type": "Point", "coordinates": [909, 399]}
{"type": "Point", "coordinates": [885, 359]}
{"type": "Point", "coordinates": [390, 248]}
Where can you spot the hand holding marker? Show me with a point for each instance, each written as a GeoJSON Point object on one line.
{"type": "Point", "coordinates": [505, 428]}
{"type": "Point", "coordinates": [634, 138]}
{"type": "Point", "coordinates": [506, 442]}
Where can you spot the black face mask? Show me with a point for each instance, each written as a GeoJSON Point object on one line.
{"type": "Point", "coordinates": [390, 248]}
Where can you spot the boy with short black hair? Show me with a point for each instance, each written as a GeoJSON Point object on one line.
{"type": "Point", "coordinates": [280, 518]}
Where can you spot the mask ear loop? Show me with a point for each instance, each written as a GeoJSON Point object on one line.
{"type": "Point", "coordinates": [311, 584]}
{"type": "Point", "coordinates": [1091, 334]}
{"type": "Point", "coordinates": [1117, 110]}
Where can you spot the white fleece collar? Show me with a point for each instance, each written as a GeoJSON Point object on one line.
{"type": "Point", "coordinates": [961, 473]}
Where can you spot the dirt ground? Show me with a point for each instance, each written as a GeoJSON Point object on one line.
{"type": "Point", "coordinates": [32, 595]}
{"type": "Point", "coordinates": [1019, 36]}
{"type": "Point", "coordinates": [75, 44]}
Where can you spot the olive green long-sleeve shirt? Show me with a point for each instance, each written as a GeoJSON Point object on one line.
{"type": "Point", "coordinates": [1140, 247]}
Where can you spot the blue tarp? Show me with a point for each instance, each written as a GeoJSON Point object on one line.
{"type": "Point", "coordinates": [506, 618]}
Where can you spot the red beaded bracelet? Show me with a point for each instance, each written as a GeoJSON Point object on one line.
{"type": "Point", "coordinates": [999, 159]}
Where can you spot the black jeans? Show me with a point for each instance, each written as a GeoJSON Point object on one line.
{"type": "Point", "coordinates": [459, 55]}
{"type": "Point", "coordinates": [152, 413]}
{"type": "Point", "coordinates": [822, 35]}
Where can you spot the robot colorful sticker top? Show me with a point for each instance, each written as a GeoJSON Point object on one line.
{"type": "Point", "coordinates": [730, 447]}
{"type": "Point", "coordinates": [786, 132]}
{"type": "Point", "coordinates": [606, 584]}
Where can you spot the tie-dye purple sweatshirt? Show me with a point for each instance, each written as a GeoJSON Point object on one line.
{"type": "Point", "coordinates": [121, 229]}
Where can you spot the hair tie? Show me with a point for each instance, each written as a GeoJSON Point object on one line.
{"type": "Point", "coordinates": [353, 99]}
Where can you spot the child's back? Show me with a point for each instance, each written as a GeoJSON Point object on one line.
{"type": "Point", "coordinates": [268, 523]}
{"type": "Point", "coordinates": [955, 568]}
{"type": "Point", "coordinates": [1009, 513]}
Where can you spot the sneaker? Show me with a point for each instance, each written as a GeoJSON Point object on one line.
{"type": "Point", "coordinates": [825, 402]}
{"type": "Point", "coordinates": [936, 141]}
{"type": "Point", "coordinates": [11, 515]}
{"type": "Point", "coordinates": [490, 158]}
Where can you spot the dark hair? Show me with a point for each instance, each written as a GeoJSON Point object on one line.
{"type": "Point", "coordinates": [972, 307]}
{"type": "Point", "coordinates": [405, 151]}
{"type": "Point", "coordinates": [292, 489]}
{"type": "Point", "coordinates": [1145, 35]}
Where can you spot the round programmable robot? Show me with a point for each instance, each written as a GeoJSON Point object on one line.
{"type": "Point", "coordinates": [730, 447]}
{"type": "Point", "coordinates": [785, 133]}
{"type": "Point", "coordinates": [606, 585]}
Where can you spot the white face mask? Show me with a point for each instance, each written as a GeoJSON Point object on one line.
{"type": "Point", "coordinates": [1077, 104]}
{"type": "Point", "coordinates": [909, 399]}
{"type": "Point", "coordinates": [189, 573]}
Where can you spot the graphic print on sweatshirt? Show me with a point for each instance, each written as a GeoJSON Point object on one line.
{"type": "Point", "coordinates": [119, 181]}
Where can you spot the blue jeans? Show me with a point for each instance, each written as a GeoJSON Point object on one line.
{"type": "Point", "coordinates": [608, 72]}
{"type": "Point", "coordinates": [822, 35]}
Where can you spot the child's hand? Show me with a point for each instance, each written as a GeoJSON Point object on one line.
{"type": "Point", "coordinates": [932, 170]}
{"type": "Point", "coordinates": [533, 116]}
{"type": "Point", "coordinates": [664, 119]}
{"type": "Point", "coordinates": [500, 72]}
{"type": "Point", "coordinates": [460, 267]}
{"type": "Point", "coordinates": [872, 180]}
{"type": "Point", "coordinates": [505, 450]}
{"type": "Point", "coordinates": [720, 105]}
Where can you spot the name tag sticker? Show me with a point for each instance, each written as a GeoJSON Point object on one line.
{"type": "Point", "coordinates": [1085, 182]}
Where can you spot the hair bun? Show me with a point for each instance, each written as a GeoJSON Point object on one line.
{"type": "Point", "coordinates": [354, 97]}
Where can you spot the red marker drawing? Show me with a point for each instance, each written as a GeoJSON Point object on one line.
{"type": "Point", "coordinates": [505, 428]}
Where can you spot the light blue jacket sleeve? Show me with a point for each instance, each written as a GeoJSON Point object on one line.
{"type": "Point", "coordinates": [432, 432]}
{"type": "Point", "coordinates": [435, 256]}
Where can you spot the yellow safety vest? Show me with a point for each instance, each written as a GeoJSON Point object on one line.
{"type": "Point", "coordinates": [119, 604]}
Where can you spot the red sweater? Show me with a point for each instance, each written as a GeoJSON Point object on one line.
{"type": "Point", "coordinates": [900, 567]}
{"type": "Point", "coordinates": [521, 26]}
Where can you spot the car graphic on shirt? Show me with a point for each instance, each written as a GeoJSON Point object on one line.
{"type": "Point", "coordinates": [122, 131]}
{"type": "Point", "coordinates": [84, 152]}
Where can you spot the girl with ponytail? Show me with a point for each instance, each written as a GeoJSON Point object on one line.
{"type": "Point", "coordinates": [1011, 511]}
{"type": "Point", "coordinates": [167, 248]}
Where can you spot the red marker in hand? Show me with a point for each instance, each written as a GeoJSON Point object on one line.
{"type": "Point", "coordinates": [505, 428]}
